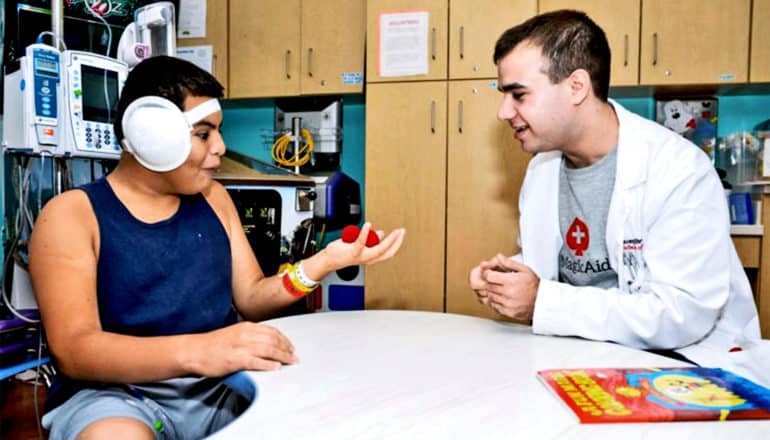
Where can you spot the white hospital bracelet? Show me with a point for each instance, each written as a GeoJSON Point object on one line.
{"type": "Point", "coordinates": [303, 278]}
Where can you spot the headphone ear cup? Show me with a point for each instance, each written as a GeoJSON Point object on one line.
{"type": "Point", "coordinates": [156, 133]}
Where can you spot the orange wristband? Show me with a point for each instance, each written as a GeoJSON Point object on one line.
{"type": "Point", "coordinates": [291, 288]}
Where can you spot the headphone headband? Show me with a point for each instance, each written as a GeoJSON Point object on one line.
{"type": "Point", "coordinates": [201, 111]}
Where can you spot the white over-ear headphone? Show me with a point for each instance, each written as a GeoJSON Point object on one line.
{"type": "Point", "coordinates": [157, 133]}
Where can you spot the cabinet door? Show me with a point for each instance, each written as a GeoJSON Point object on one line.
{"type": "Point", "coordinates": [694, 42]}
{"type": "Point", "coordinates": [406, 186]}
{"type": "Point", "coordinates": [216, 36]}
{"type": "Point", "coordinates": [620, 21]}
{"type": "Point", "coordinates": [485, 170]}
{"type": "Point", "coordinates": [474, 27]}
{"type": "Point", "coordinates": [333, 35]}
{"type": "Point", "coordinates": [264, 48]}
{"type": "Point", "coordinates": [437, 37]}
{"type": "Point", "coordinates": [760, 42]}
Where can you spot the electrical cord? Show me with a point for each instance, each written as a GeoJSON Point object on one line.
{"type": "Point", "coordinates": [321, 235]}
{"type": "Point", "coordinates": [40, 183]}
{"type": "Point", "coordinates": [300, 157]}
{"type": "Point", "coordinates": [21, 228]}
{"type": "Point", "coordinates": [37, 382]}
{"type": "Point", "coordinates": [92, 9]}
{"type": "Point", "coordinates": [39, 39]}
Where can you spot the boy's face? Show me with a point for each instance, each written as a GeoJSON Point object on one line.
{"type": "Point", "coordinates": [536, 109]}
{"type": "Point", "coordinates": [197, 172]}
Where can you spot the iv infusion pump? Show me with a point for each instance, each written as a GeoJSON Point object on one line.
{"type": "Point", "coordinates": [63, 103]}
{"type": "Point", "coordinates": [91, 85]}
{"type": "Point", "coordinates": [32, 100]}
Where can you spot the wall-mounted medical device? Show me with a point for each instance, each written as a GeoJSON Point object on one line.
{"type": "Point", "coordinates": [338, 200]}
{"type": "Point", "coordinates": [32, 102]}
{"type": "Point", "coordinates": [153, 32]}
{"type": "Point", "coordinates": [91, 85]}
{"type": "Point", "coordinates": [322, 116]}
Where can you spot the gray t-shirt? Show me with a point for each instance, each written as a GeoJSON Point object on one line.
{"type": "Point", "coordinates": [584, 202]}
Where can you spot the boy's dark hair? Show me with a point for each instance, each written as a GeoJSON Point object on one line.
{"type": "Point", "coordinates": [172, 78]}
{"type": "Point", "coordinates": [570, 40]}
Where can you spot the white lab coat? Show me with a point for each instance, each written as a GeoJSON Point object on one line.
{"type": "Point", "coordinates": [683, 288]}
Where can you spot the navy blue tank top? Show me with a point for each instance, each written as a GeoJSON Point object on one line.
{"type": "Point", "coordinates": [157, 279]}
{"type": "Point", "coordinates": [165, 278]}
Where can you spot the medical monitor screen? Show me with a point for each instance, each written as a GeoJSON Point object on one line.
{"type": "Point", "coordinates": [100, 93]}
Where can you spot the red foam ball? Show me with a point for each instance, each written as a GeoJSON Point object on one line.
{"type": "Point", "coordinates": [372, 239]}
{"type": "Point", "coordinates": [350, 233]}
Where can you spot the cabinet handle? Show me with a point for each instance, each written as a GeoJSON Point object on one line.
{"type": "Point", "coordinates": [625, 50]}
{"type": "Point", "coordinates": [310, 62]}
{"type": "Point", "coordinates": [214, 64]}
{"type": "Point", "coordinates": [655, 49]}
{"type": "Point", "coordinates": [462, 42]}
{"type": "Point", "coordinates": [433, 116]}
{"type": "Point", "coordinates": [460, 116]}
{"type": "Point", "coordinates": [433, 44]}
{"type": "Point", "coordinates": [288, 64]}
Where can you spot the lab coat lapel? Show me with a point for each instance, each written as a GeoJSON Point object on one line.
{"type": "Point", "coordinates": [626, 215]}
{"type": "Point", "coordinates": [539, 207]}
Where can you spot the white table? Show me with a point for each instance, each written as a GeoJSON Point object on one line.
{"type": "Point", "coordinates": [400, 374]}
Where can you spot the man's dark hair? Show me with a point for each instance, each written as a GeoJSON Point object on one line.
{"type": "Point", "coordinates": [569, 40]}
{"type": "Point", "coordinates": [172, 78]}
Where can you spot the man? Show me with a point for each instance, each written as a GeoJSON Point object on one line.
{"type": "Point", "coordinates": [140, 276]}
{"type": "Point", "coordinates": [624, 228]}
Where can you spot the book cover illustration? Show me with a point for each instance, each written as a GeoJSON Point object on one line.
{"type": "Point", "coordinates": [615, 395]}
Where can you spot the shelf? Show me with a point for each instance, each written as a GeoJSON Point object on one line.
{"type": "Point", "coordinates": [667, 91]}
{"type": "Point", "coordinates": [752, 230]}
{"type": "Point", "coordinates": [7, 372]}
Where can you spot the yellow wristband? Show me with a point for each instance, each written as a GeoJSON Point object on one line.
{"type": "Point", "coordinates": [295, 281]}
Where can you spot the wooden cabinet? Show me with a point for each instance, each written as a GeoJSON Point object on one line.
{"type": "Point", "coordinates": [762, 293]}
{"type": "Point", "coordinates": [474, 27]}
{"type": "Point", "coordinates": [216, 37]}
{"type": "Point", "coordinates": [439, 163]}
{"type": "Point", "coordinates": [468, 43]}
{"type": "Point", "coordinates": [694, 42]}
{"type": "Point", "coordinates": [437, 37]}
{"type": "Point", "coordinates": [293, 47]}
{"type": "Point", "coordinates": [760, 42]}
{"type": "Point", "coordinates": [333, 37]}
{"type": "Point", "coordinates": [485, 169]}
{"type": "Point", "coordinates": [406, 186]}
{"type": "Point", "coordinates": [620, 21]}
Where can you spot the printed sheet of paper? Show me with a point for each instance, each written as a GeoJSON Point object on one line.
{"type": "Point", "coordinates": [201, 56]}
{"type": "Point", "coordinates": [403, 44]}
{"type": "Point", "coordinates": [192, 19]}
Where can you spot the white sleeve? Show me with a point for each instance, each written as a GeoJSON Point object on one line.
{"type": "Point", "coordinates": [687, 279]}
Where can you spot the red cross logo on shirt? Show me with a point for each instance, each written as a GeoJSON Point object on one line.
{"type": "Point", "coordinates": [577, 237]}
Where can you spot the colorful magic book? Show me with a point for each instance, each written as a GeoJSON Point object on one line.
{"type": "Point", "coordinates": [616, 395]}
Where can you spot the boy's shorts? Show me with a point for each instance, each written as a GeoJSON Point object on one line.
{"type": "Point", "coordinates": [183, 408]}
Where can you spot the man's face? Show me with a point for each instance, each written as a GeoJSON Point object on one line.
{"type": "Point", "coordinates": [197, 172]}
{"type": "Point", "coordinates": [535, 108]}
